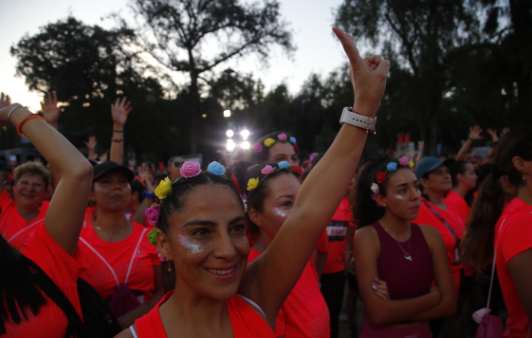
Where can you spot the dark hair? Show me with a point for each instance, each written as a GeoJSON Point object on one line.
{"type": "Point", "coordinates": [366, 211]}
{"type": "Point", "coordinates": [180, 191]}
{"type": "Point", "coordinates": [138, 187]}
{"type": "Point", "coordinates": [458, 167]}
{"type": "Point", "coordinates": [258, 195]}
{"type": "Point", "coordinates": [478, 241]}
{"type": "Point", "coordinates": [263, 155]}
{"type": "Point", "coordinates": [17, 287]}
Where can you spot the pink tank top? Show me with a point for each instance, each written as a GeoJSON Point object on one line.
{"type": "Point", "coordinates": [405, 278]}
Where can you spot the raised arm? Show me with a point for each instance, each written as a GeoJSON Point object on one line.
{"type": "Point", "coordinates": [67, 209]}
{"type": "Point", "coordinates": [5, 101]}
{"type": "Point", "coordinates": [120, 110]}
{"type": "Point", "coordinates": [50, 112]}
{"type": "Point", "coordinates": [474, 134]}
{"type": "Point", "coordinates": [271, 277]}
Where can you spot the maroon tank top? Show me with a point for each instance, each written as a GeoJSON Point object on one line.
{"type": "Point", "coordinates": [405, 278]}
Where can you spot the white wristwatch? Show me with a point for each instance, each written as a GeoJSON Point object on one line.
{"type": "Point", "coordinates": [357, 120]}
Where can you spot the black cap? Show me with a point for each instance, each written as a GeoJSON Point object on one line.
{"type": "Point", "coordinates": [104, 167]}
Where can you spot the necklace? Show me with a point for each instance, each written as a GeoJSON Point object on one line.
{"type": "Point", "coordinates": [407, 254]}
{"type": "Point", "coordinates": [110, 232]}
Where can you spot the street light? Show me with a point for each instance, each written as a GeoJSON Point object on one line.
{"type": "Point", "coordinates": [229, 133]}
{"type": "Point", "coordinates": [245, 145]}
{"type": "Point", "coordinates": [231, 145]}
{"type": "Point", "coordinates": [245, 134]}
{"type": "Point", "coordinates": [227, 113]}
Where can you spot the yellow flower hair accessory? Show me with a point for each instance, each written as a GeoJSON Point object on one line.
{"type": "Point", "coordinates": [411, 164]}
{"type": "Point", "coordinates": [164, 189]}
{"type": "Point", "coordinates": [252, 183]}
{"type": "Point", "coordinates": [269, 142]}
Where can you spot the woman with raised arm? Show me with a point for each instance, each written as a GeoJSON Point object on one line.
{"type": "Point", "coordinates": [202, 233]}
{"type": "Point", "coordinates": [396, 260]}
{"type": "Point", "coordinates": [53, 246]}
{"type": "Point", "coordinates": [464, 179]}
{"type": "Point", "coordinates": [508, 229]}
{"type": "Point", "coordinates": [26, 211]}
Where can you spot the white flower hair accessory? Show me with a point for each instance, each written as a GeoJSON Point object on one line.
{"type": "Point", "coordinates": [375, 188]}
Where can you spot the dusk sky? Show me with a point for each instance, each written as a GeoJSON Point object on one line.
{"type": "Point", "coordinates": [311, 22]}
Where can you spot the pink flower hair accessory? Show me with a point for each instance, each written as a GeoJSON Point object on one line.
{"type": "Point", "coordinates": [153, 214]}
{"type": "Point", "coordinates": [190, 169]}
{"type": "Point", "coordinates": [282, 137]}
{"type": "Point", "coordinates": [257, 147]}
{"type": "Point", "coordinates": [267, 170]}
{"type": "Point", "coordinates": [404, 161]}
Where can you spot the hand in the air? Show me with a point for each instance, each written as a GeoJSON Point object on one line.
{"type": "Point", "coordinates": [368, 76]}
{"type": "Point", "coordinates": [474, 133]}
{"type": "Point", "coordinates": [120, 110]}
{"type": "Point", "coordinates": [5, 100]}
{"type": "Point", "coordinates": [50, 110]}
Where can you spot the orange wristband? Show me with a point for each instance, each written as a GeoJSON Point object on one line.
{"type": "Point", "coordinates": [26, 119]}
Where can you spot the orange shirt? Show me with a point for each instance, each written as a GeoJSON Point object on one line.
{"type": "Point", "coordinates": [305, 311]}
{"type": "Point", "coordinates": [451, 216]}
{"type": "Point", "coordinates": [336, 232]}
{"type": "Point", "coordinates": [514, 237]}
{"type": "Point", "coordinates": [15, 229]}
{"type": "Point", "coordinates": [245, 321]}
{"type": "Point", "coordinates": [64, 270]}
{"type": "Point", "coordinates": [135, 249]}
{"type": "Point", "coordinates": [459, 204]}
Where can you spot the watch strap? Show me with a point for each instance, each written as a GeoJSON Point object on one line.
{"type": "Point", "coordinates": [357, 120]}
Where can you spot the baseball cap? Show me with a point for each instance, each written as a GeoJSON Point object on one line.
{"type": "Point", "coordinates": [104, 167]}
{"type": "Point", "coordinates": [428, 164]}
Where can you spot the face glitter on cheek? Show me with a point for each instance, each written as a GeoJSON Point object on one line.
{"type": "Point", "coordinates": [283, 213]}
{"type": "Point", "coordinates": [188, 244]}
{"type": "Point", "coordinates": [399, 197]}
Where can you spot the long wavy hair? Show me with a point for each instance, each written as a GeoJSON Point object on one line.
{"type": "Point", "coordinates": [478, 241]}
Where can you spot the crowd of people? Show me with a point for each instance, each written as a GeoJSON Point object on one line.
{"type": "Point", "coordinates": [267, 245]}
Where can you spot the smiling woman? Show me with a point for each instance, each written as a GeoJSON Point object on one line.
{"type": "Point", "coordinates": [215, 294]}
{"type": "Point", "coordinates": [22, 214]}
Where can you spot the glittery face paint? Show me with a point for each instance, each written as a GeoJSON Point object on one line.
{"type": "Point", "coordinates": [281, 212]}
{"type": "Point", "coordinates": [399, 197]}
{"type": "Point", "coordinates": [189, 244]}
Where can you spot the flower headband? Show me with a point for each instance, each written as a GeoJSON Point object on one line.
{"type": "Point", "coordinates": [269, 142]}
{"type": "Point", "coordinates": [165, 188]}
{"type": "Point", "coordinates": [391, 167]}
{"type": "Point", "coordinates": [253, 183]}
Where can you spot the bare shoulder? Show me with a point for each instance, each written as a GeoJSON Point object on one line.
{"type": "Point", "coordinates": [432, 235]}
{"type": "Point", "coordinates": [367, 239]}
{"type": "Point", "coordinates": [125, 334]}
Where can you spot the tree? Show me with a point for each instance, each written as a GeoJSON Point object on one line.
{"type": "Point", "coordinates": [419, 36]}
{"type": "Point", "coordinates": [89, 67]}
{"type": "Point", "coordinates": [182, 28]}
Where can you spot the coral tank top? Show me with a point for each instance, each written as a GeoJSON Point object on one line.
{"type": "Point", "coordinates": [245, 321]}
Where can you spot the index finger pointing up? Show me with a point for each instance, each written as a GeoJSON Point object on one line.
{"type": "Point", "coordinates": [350, 48]}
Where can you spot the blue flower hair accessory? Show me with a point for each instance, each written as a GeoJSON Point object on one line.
{"type": "Point", "coordinates": [392, 166]}
{"type": "Point", "coordinates": [283, 164]}
{"type": "Point", "coordinates": [216, 168]}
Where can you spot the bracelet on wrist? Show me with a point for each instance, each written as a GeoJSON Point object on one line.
{"type": "Point", "coordinates": [118, 131]}
{"type": "Point", "coordinates": [118, 139]}
{"type": "Point", "coordinates": [26, 119]}
{"type": "Point", "coordinates": [11, 112]}
{"type": "Point", "coordinates": [358, 120]}
{"type": "Point", "coordinates": [148, 195]}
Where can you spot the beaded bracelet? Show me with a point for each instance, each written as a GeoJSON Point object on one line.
{"type": "Point", "coordinates": [26, 119]}
{"type": "Point", "coordinates": [148, 195]}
